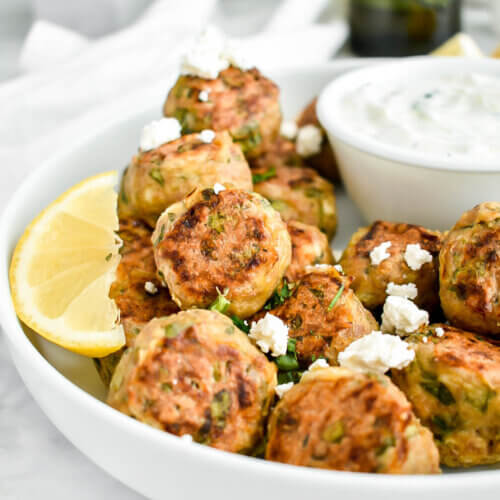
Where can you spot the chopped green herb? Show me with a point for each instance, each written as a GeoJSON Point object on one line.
{"type": "Point", "coordinates": [242, 324]}
{"type": "Point", "coordinates": [264, 176]}
{"type": "Point", "coordinates": [108, 257]}
{"type": "Point", "coordinates": [292, 376]}
{"type": "Point", "coordinates": [287, 362]}
{"type": "Point", "coordinates": [156, 175]}
{"type": "Point", "coordinates": [334, 432]}
{"type": "Point", "coordinates": [439, 391]}
{"type": "Point", "coordinates": [336, 298]}
{"type": "Point", "coordinates": [279, 295]}
{"type": "Point", "coordinates": [220, 304]}
{"type": "Point", "coordinates": [171, 216]}
{"type": "Point", "coordinates": [172, 330]}
{"type": "Point", "coordinates": [160, 236]}
{"type": "Point", "coordinates": [388, 442]}
{"type": "Point", "coordinates": [220, 407]}
{"type": "Point", "coordinates": [166, 387]}
{"type": "Point", "coordinates": [216, 222]}
{"type": "Point", "coordinates": [216, 371]}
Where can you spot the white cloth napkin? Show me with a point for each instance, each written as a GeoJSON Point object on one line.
{"type": "Point", "coordinates": [73, 85]}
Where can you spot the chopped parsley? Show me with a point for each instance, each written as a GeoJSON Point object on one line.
{"type": "Point", "coordinates": [220, 304]}
{"type": "Point", "coordinates": [336, 298]}
{"type": "Point", "coordinates": [264, 176]}
{"type": "Point", "coordinates": [242, 324]}
{"type": "Point", "coordinates": [279, 295]}
{"type": "Point", "coordinates": [156, 175]}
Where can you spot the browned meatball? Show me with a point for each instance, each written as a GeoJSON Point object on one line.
{"type": "Point", "coordinates": [324, 161]}
{"type": "Point", "coordinates": [243, 102]}
{"type": "Point", "coordinates": [298, 194]}
{"type": "Point", "coordinates": [470, 270]}
{"type": "Point", "coordinates": [324, 315]}
{"type": "Point", "coordinates": [137, 306]}
{"type": "Point", "coordinates": [232, 243]}
{"type": "Point", "coordinates": [309, 247]}
{"type": "Point", "coordinates": [280, 153]}
{"type": "Point", "coordinates": [196, 373]}
{"type": "Point", "coordinates": [155, 179]}
{"type": "Point", "coordinates": [371, 280]}
{"type": "Point", "coordinates": [454, 387]}
{"type": "Point", "coordinates": [343, 420]}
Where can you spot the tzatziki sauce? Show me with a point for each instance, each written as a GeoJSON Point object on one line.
{"type": "Point", "coordinates": [449, 116]}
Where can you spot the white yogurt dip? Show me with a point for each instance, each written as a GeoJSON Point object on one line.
{"type": "Point", "coordinates": [451, 116]}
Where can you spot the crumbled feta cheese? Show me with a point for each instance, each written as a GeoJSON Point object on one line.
{"type": "Point", "coordinates": [218, 188]}
{"type": "Point", "coordinates": [309, 140]}
{"type": "Point", "coordinates": [212, 53]}
{"type": "Point", "coordinates": [159, 132]}
{"type": "Point", "coordinates": [187, 437]}
{"type": "Point", "coordinates": [402, 316]}
{"type": "Point", "coordinates": [338, 267]}
{"type": "Point", "coordinates": [207, 136]}
{"type": "Point", "coordinates": [270, 334]}
{"type": "Point", "coordinates": [439, 331]}
{"type": "Point", "coordinates": [203, 95]}
{"type": "Point", "coordinates": [282, 389]}
{"type": "Point", "coordinates": [379, 253]}
{"type": "Point", "coordinates": [318, 365]}
{"type": "Point", "coordinates": [424, 340]}
{"type": "Point", "coordinates": [289, 129]}
{"type": "Point", "coordinates": [408, 291]}
{"type": "Point", "coordinates": [150, 287]}
{"type": "Point", "coordinates": [416, 257]}
{"type": "Point", "coordinates": [376, 352]}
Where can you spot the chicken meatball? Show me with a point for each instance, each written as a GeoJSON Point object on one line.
{"type": "Point", "coordinates": [324, 161]}
{"type": "Point", "coordinates": [155, 179]}
{"type": "Point", "coordinates": [243, 102]}
{"type": "Point", "coordinates": [280, 153]}
{"type": "Point", "coordinates": [469, 272]}
{"type": "Point", "coordinates": [137, 291]}
{"type": "Point", "coordinates": [195, 373]}
{"type": "Point", "coordinates": [231, 242]}
{"type": "Point", "coordinates": [454, 387]}
{"type": "Point", "coordinates": [309, 247]}
{"type": "Point", "coordinates": [298, 194]}
{"type": "Point", "coordinates": [394, 263]}
{"type": "Point", "coordinates": [323, 315]}
{"type": "Point", "coordinates": [343, 420]}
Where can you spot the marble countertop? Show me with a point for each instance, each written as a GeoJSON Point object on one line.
{"type": "Point", "coordinates": [36, 461]}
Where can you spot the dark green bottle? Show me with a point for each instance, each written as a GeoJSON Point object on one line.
{"type": "Point", "coordinates": [402, 27]}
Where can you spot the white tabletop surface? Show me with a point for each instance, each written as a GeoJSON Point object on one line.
{"type": "Point", "coordinates": [36, 461]}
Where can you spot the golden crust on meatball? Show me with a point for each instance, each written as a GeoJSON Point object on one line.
{"type": "Point", "coordinates": [195, 373]}
{"type": "Point", "coordinates": [298, 194]}
{"type": "Point", "coordinates": [343, 420]}
{"type": "Point", "coordinates": [323, 315]}
{"type": "Point", "coordinates": [137, 306]}
{"type": "Point", "coordinates": [243, 102]}
{"type": "Point", "coordinates": [370, 281]}
{"type": "Point", "coordinates": [232, 243]}
{"type": "Point", "coordinates": [279, 153]}
{"type": "Point", "coordinates": [155, 179]}
{"type": "Point", "coordinates": [324, 161]}
{"type": "Point", "coordinates": [309, 247]}
{"type": "Point", "coordinates": [469, 273]}
{"type": "Point", "coordinates": [454, 387]}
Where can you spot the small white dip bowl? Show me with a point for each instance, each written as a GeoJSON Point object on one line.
{"type": "Point", "coordinates": [392, 183]}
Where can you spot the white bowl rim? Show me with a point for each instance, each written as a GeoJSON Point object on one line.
{"type": "Point", "coordinates": [17, 340]}
{"type": "Point", "coordinates": [330, 118]}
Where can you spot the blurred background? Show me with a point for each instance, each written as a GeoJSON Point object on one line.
{"type": "Point", "coordinates": [378, 27]}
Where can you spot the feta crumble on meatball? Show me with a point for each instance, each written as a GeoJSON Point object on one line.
{"type": "Point", "coordinates": [377, 352]}
{"type": "Point", "coordinates": [282, 389]}
{"type": "Point", "coordinates": [408, 291]}
{"type": "Point", "coordinates": [159, 132]}
{"type": "Point", "coordinates": [416, 256]}
{"type": "Point", "coordinates": [309, 140]}
{"type": "Point", "coordinates": [380, 253]}
{"type": "Point", "coordinates": [270, 334]}
{"type": "Point", "coordinates": [402, 316]}
{"type": "Point", "coordinates": [289, 129]}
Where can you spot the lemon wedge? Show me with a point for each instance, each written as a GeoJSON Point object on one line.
{"type": "Point", "coordinates": [63, 267]}
{"type": "Point", "coordinates": [459, 45]}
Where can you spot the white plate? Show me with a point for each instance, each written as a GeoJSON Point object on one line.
{"type": "Point", "coordinates": [154, 463]}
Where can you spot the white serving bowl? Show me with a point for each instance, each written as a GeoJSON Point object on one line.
{"type": "Point", "coordinates": [391, 183]}
{"type": "Point", "coordinates": [154, 463]}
